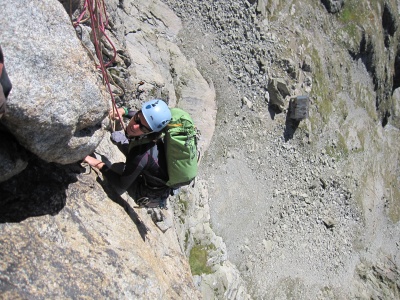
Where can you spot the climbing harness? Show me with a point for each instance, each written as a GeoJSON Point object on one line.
{"type": "Point", "coordinates": [99, 22]}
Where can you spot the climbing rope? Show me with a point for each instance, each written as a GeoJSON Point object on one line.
{"type": "Point", "coordinates": [99, 22]}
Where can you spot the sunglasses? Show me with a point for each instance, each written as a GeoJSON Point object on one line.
{"type": "Point", "coordinates": [142, 127]}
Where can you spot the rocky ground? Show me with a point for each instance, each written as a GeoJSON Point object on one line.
{"type": "Point", "coordinates": [304, 210]}
{"type": "Point", "coordinates": [298, 216]}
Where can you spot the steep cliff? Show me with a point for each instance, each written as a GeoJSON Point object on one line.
{"type": "Point", "coordinates": [307, 209]}
{"type": "Point", "coordinates": [64, 232]}
{"type": "Point", "coordinates": [281, 209]}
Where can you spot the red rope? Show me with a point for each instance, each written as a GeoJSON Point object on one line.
{"type": "Point", "coordinates": [96, 22]}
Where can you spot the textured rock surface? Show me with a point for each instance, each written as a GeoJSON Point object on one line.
{"type": "Point", "coordinates": [333, 6]}
{"type": "Point", "coordinates": [66, 234]}
{"type": "Point", "coordinates": [13, 157]}
{"type": "Point", "coordinates": [301, 205]}
{"type": "Point", "coordinates": [73, 241]}
{"type": "Point", "coordinates": [305, 210]}
{"type": "Point", "coordinates": [57, 105]}
{"type": "Point", "coordinates": [192, 212]}
{"type": "Point", "coordinates": [157, 61]}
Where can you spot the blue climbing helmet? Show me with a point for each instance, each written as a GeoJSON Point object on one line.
{"type": "Point", "coordinates": [157, 114]}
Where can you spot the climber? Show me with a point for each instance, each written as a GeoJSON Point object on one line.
{"type": "Point", "coordinates": [144, 173]}
{"type": "Point", "coordinates": [5, 85]}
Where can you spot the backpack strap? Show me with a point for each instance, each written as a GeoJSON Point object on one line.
{"type": "Point", "coordinates": [145, 139]}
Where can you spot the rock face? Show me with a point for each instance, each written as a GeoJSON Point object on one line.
{"type": "Point", "coordinates": [278, 91]}
{"type": "Point", "coordinates": [280, 210]}
{"type": "Point", "coordinates": [73, 241]}
{"type": "Point", "coordinates": [377, 53]}
{"type": "Point", "coordinates": [57, 105]}
{"type": "Point", "coordinates": [333, 6]}
{"type": "Point", "coordinates": [307, 210]}
{"type": "Point", "coordinates": [159, 63]}
{"type": "Point", "coordinates": [59, 218]}
{"type": "Point", "coordinates": [13, 157]}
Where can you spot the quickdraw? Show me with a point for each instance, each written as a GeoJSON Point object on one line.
{"type": "Point", "coordinates": [99, 22]}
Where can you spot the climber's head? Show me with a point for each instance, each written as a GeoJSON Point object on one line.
{"type": "Point", "coordinates": [153, 117]}
{"type": "Point", "coordinates": [157, 114]}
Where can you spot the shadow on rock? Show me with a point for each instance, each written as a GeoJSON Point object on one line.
{"type": "Point", "coordinates": [273, 110]}
{"type": "Point", "coordinates": [36, 191]}
{"type": "Point", "coordinates": [114, 196]}
{"type": "Point", "coordinates": [291, 126]}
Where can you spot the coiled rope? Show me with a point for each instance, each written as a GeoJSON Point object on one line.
{"type": "Point", "coordinates": [99, 22]}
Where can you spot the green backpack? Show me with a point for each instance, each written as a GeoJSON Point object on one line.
{"type": "Point", "coordinates": [180, 142]}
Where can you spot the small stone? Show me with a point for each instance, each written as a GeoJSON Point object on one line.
{"type": "Point", "coordinates": [313, 185]}
{"type": "Point", "coordinates": [329, 222]}
{"type": "Point", "coordinates": [268, 245]}
{"type": "Point", "coordinates": [247, 102]}
{"type": "Point", "coordinates": [323, 183]}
